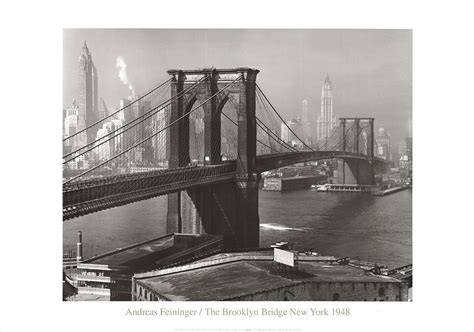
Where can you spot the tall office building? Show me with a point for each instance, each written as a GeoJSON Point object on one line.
{"type": "Point", "coordinates": [71, 127]}
{"type": "Point", "coordinates": [305, 123]}
{"type": "Point", "coordinates": [291, 131]}
{"type": "Point", "coordinates": [402, 147]}
{"type": "Point", "coordinates": [112, 143]}
{"type": "Point", "coordinates": [382, 142]}
{"type": "Point", "coordinates": [87, 93]}
{"type": "Point", "coordinates": [326, 120]}
{"type": "Point", "coordinates": [284, 133]}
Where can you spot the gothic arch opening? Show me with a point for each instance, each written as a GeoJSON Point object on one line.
{"type": "Point", "coordinates": [228, 113]}
{"type": "Point", "coordinates": [196, 130]}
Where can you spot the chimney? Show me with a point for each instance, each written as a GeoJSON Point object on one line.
{"type": "Point", "coordinates": [79, 247]}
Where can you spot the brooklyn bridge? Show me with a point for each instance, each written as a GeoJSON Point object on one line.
{"type": "Point", "coordinates": [216, 190]}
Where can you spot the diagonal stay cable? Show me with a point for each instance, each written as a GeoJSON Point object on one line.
{"type": "Point", "coordinates": [268, 101]}
{"type": "Point", "coordinates": [278, 139]}
{"type": "Point", "coordinates": [283, 121]}
{"type": "Point", "coordinates": [268, 146]}
{"type": "Point", "coordinates": [235, 123]}
{"type": "Point", "coordinates": [258, 124]}
{"type": "Point", "coordinates": [154, 134]}
{"type": "Point", "coordinates": [336, 145]}
{"type": "Point", "coordinates": [286, 145]}
{"type": "Point", "coordinates": [121, 130]}
{"type": "Point", "coordinates": [110, 115]}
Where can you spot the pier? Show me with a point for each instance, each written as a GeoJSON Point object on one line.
{"type": "Point", "coordinates": [292, 183]}
{"type": "Point", "coordinates": [350, 187]}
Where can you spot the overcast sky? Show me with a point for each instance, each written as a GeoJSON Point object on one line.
{"type": "Point", "coordinates": [371, 70]}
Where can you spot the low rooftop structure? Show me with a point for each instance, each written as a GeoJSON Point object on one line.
{"type": "Point", "coordinates": [110, 274]}
{"type": "Point", "coordinates": [255, 276]}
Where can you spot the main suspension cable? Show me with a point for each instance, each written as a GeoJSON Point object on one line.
{"type": "Point", "coordinates": [268, 101]}
{"type": "Point", "coordinates": [110, 115]}
{"type": "Point", "coordinates": [154, 134]}
{"type": "Point", "coordinates": [121, 130]}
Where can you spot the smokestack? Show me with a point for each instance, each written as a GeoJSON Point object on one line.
{"type": "Point", "coordinates": [79, 247]}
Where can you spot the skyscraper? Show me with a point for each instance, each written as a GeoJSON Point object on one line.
{"type": "Point", "coordinates": [285, 133]}
{"type": "Point", "coordinates": [326, 120]}
{"type": "Point", "coordinates": [87, 93]}
{"type": "Point", "coordinates": [291, 132]}
{"type": "Point", "coordinates": [382, 142]}
{"type": "Point", "coordinates": [71, 122]}
{"type": "Point", "coordinates": [305, 123]}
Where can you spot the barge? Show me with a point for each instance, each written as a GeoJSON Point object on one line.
{"type": "Point", "coordinates": [292, 183]}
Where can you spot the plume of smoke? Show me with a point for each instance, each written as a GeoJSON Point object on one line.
{"type": "Point", "coordinates": [122, 66]}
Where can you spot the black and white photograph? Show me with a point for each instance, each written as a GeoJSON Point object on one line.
{"type": "Point", "coordinates": [237, 165]}
{"type": "Point", "coordinates": [246, 166]}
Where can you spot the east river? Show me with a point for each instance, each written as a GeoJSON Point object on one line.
{"type": "Point", "coordinates": [358, 225]}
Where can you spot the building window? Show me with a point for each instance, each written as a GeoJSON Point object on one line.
{"type": "Point", "coordinates": [335, 297]}
{"type": "Point", "coordinates": [381, 292]}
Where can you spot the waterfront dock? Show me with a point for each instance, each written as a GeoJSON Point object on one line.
{"type": "Point", "coordinates": [350, 187]}
{"type": "Point", "coordinates": [292, 183]}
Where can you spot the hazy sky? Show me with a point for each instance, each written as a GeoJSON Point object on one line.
{"type": "Point", "coordinates": [371, 70]}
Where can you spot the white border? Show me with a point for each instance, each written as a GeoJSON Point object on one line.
{"type": "Point", "coordinates": [31, 83]}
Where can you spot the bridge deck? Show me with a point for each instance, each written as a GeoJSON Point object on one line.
{"type": "Point", "coordinates": [96, 194]}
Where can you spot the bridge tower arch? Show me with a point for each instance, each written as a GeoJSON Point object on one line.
{"type": "Point", "coordinates": [357, 136]}
{"type": "Point", "coordinates": [230, 208]}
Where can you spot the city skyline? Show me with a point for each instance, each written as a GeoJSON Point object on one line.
{"type": "Point", "coordinates": [215, 130]}
{"type": "Point", "coordinates": [380, 59]}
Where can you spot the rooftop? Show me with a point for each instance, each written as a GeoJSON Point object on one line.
{"type": "Point", "coordinates": [122, 256]}
{"type": "Point", "coordinates": [150, 251]}
{"type": "Point", "coordinates": [230, 275]}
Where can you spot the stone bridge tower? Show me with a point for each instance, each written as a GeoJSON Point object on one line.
{"type": "Point", "coordinates": [230, 209]}
{"type": "Point", "coordinates": [357, 136]}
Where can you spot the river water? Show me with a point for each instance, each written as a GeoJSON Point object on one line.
{"type": "Point", "coordinates": [372, 228]}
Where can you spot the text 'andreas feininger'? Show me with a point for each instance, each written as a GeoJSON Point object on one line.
{"type": "Point", "coordinates": [240, 312]}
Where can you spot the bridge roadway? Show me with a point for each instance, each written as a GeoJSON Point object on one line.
{"type": "Point", "coordinates": [93, 195]}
